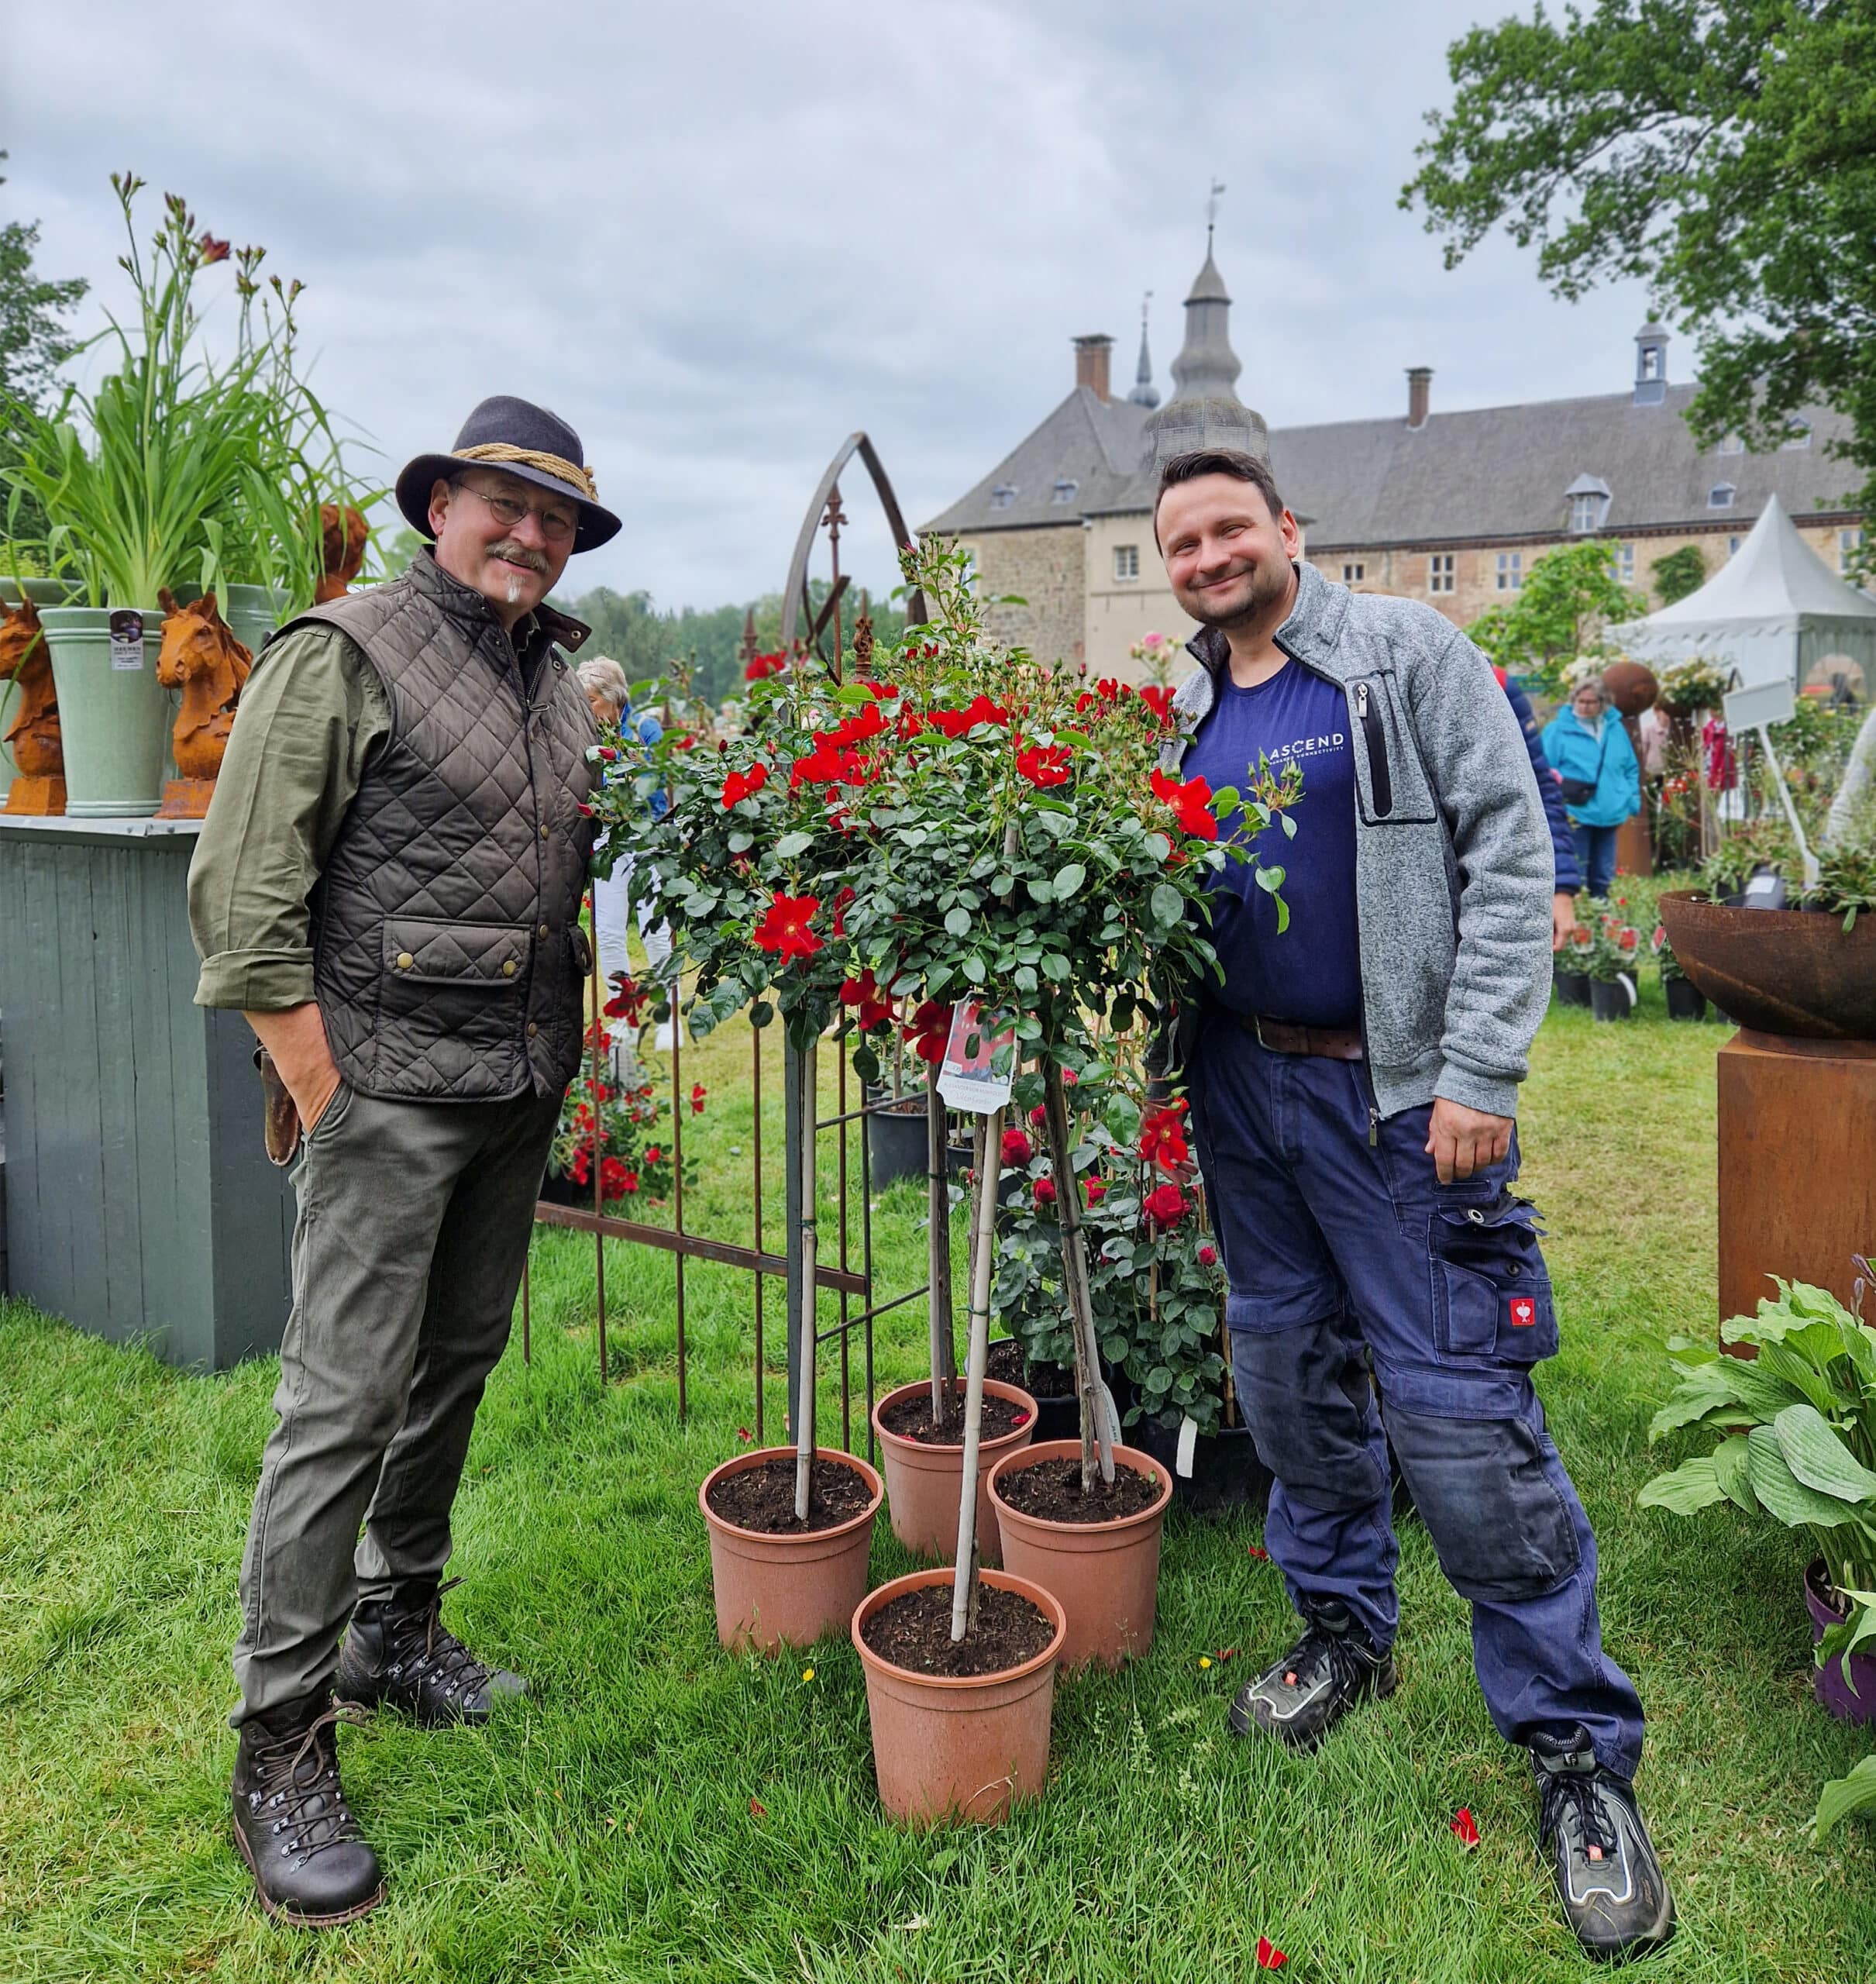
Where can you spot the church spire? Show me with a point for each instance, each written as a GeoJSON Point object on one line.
{"type": "Point", "coordinates": [1145, 393]}
{"type": "Point", "coordinates": [1205, 411]}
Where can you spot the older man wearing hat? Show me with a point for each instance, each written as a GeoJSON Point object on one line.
{"type": "Point", "coordinates": [388, 884]}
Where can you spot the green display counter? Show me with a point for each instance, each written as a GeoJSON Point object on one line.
{"type": "Point", "coordinates": [139, 1202]}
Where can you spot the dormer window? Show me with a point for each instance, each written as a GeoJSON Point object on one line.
{"type": "Point", "coordinates": [1653, 359]}
{"type": "Point", "coordinates": [1731, 444]}
{"type": "Point", "coordinates": [1003, 496]}
{"type": "Point", "coordinates": [1720, 496]}
{"type": "Point", "coordinates": [1064, 490]}
{"type": "Point", "coordinates": [1799, 437]}
{"type": "Point", "coordinates": [1589, 497]}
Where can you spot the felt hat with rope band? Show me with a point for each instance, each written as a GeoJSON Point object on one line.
{"type": "Point", "coordinates": [520, 439]}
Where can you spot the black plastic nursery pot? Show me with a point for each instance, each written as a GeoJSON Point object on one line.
{"type": "Point", "coordinates": [1572, 988]}
{"type": "Point", "coordinates": [1226, 1477]}
{"type": "Point", "coordinates": [896, 1146]}
{"type": "Point", "coordinates": [1685, 1001]}
{"type": "Point", "coordinates": [1609, 999]}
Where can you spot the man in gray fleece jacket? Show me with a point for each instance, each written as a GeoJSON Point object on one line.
{"type": "Point", "coordinates": [1353, 1081]}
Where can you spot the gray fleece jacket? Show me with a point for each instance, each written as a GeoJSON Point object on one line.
{"type": "Point", "coordinates": [1454, 868]}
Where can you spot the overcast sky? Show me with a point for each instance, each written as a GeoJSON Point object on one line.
{"type": "Point", "coordinates": [716, 238]}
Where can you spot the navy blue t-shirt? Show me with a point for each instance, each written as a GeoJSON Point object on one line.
{"type": "Point", "coordinates": [1311, 975]}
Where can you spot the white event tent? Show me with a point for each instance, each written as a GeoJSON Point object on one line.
{"type": "Point", "coordinates": [1775, 610]}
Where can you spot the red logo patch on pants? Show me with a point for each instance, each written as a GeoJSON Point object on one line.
{"type": "Point", "coordinates": [1524, 1312]}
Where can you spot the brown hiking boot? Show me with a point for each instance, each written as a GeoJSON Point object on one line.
{"type": "Point", "coordinates": [311, 1866]}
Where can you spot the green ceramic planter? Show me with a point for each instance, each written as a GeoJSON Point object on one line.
{"type": "Point", "coordinates": [9, 694]}
{"type": "Point", "coordinates": [114, 715]}
{"type": "Point", "coordinates": [253, 612]}
{"type": "Point", "coordinates": [42, 592]}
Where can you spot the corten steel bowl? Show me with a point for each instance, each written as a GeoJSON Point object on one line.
{"type": "Point", "coordinates": [1795, 972]}
{"type": "Point", "coordinates": [1632, 688]}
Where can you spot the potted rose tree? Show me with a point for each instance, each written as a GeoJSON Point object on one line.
{"type": "Point", "coordinates": [747, 864]}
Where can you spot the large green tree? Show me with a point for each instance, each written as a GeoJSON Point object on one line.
{"type": "Point", "coordinates": [1722, 150]}
{"type": "Point", "coordinates": [33, 342]}
{"type": "Point", "coordinates": [1569, 596]}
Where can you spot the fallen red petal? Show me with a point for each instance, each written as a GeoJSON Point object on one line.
{"type": "Point", "coordinates": [758, 1809]}
{"type": "Point", "coordinates": [1262, 1556]}
{"type": "Point", "coordinates": [742, 1433]}
{"type": "Point", "coordinates": [1465, 1827]}
{"type": "Point", "coordinates": [1268, 1956]}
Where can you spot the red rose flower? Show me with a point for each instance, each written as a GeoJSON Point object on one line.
{"type": "Point", "coordinates": [1190, 801]}
{"type": "Point", "coordinates": [928, 1030]}
{"type": "Point", "coordinates": [872, 1009]}
{"type": "Point", "coordinates": [1045, 1191]}
{"type": "Point", "coordinates": [740, 785]}
{"type": "Point", "coordinates": [784, 928]}
{"type": "Point", "coordinates": [697, 1094]}
{"type": "Point", "coordinates": [1208, 1257]}
{"type": "Point", "coordinates": [979, 709]}
{"type": "Point", "coordinates": [1018, 1148]}
{"type": "Point", "coordinates": [1162, 1137]}
{"type": "Point", "coordinates": [1159, 701]}
{"type": "Point", "coordinates": [764, 664]}
{"type": "Point", "coordinates": [1165, 1206]}
{"type": "Point", "coordinates": [1096, 1191]}
{"type": "Point", "coordinates": [627, 1002]}
{"type": "Point", "coordinates": [1045, 766]}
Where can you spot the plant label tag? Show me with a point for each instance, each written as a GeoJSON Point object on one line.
{"type": "Point", "coordinates": [126, 638]}
{"type": "Point", "coordinates": [979, 1069]}
{"type": "Point", "coordinates": [1189, 1446]}
{"type": "Point", "coordinates": [1110, 1415]}
{"type": "Point", "coordinates": [1628, 986]}
{"type": "Point", "coordinates": [1524, 1312]}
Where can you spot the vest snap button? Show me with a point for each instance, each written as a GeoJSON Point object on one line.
{"type": "Point", "coordinates": [508, 967]}
{"type": "Point", "coordinates": [543, 929]}
{"type": "Point", "coordinates": [405, 960]}
{"type": "Point", "coordinates": [543, 830]}
{"type": "Point", "coordinates": [532, 1029]}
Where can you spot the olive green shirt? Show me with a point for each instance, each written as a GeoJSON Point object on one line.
{"type": "Point", "coordinates": [309, 717]}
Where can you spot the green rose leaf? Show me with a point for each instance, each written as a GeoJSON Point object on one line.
{"type": "Point", "coordinates": [791, 845]}
{"type": "Point", "coordinates": [1069, 880]}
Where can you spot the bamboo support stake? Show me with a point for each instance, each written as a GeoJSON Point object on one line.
{"type": "Point", "coordinates": [964, 1580]}
{"type": "Point", "coordinates": [804, 1404]}
{"type": "Point", "coordinates": [944, 1343]}
{"type": "Point", "coordinates": [1096, 1448]}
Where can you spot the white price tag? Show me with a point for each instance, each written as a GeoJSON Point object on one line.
{"type": "Point", "coordinates": [979, 1069]}
{"type": "Point", "coordinates": [126, 638]}
{"type": "Point", "coordinates": [1189, 1445]}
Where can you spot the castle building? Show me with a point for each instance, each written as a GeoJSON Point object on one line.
{"type": "Point", "coordinates": [1453, 508]}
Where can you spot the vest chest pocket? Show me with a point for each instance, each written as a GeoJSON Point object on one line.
{"type": "Point", "coordinates": [1491, 1289]}
{"type": "Point", "coordinates": [1389, 782]}
{"type": "Point", "coordinates": [473, 958]}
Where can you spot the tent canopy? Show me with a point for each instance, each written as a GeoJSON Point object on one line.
{"type": "Point", "coordinates": [1774, 609]}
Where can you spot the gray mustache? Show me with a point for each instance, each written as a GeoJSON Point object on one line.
{"type": "Point", "coordinates": [518, 554]}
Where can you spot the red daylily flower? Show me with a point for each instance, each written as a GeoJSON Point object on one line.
{"type": "Point", "coordinates": [1165, 1207]}
{"type": "Point", "coordinates": [740, 785]}
{"type": "Point", "coordinates": [1045, 766]}
{"type": "Point", "coordinates": [1465, 1828]}
{"type": "Point", "coordinates": [1268, 1956]}
{"type": "Point", "coordinates": [979, 709]}
{"type": "Point", "coordinates": [761, 665]}
{"type": "Point", "coordinates": [210, 249]}
{"type": "Point", "coordinates": [1191, 801]}
{"type": "Point", "coordinates": [783, 928]}
{"type": "Point", "coordinates": [1018, 1148]}
{"type": "Point", "coordinates": [928, 1030]}
{"type": "Point", "coordinates": [872, 1009]}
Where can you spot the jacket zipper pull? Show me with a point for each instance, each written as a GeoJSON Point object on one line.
{"type": "Point", "coordinates": [1374, 1128]}
{"type": "Point", "coordinates": [1361, 700]}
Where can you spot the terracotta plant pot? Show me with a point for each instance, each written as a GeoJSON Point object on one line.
{"type": "Point", "coordinates": [1106, 1574]}
{"type": "Point", "coordinates": [964, 1748]}
{"type": "Point", "coordinates": [773, 1591]}
{"type": "Point", "coordinates": [1778, 970]}
{"type": "Point", "coordinates": [922, 1483]}
{"type": "Point", "coordinates": [1851, 1699]}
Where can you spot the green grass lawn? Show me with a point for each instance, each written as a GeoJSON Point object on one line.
{"type": "Point", "coordinates": [608, 1829]}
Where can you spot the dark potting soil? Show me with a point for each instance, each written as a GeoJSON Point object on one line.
{"type": "Point", "coordinates": [1052, 1491]}
{"type": "Point", "coordinates": [914, 1631]}
{"type": "Point", "coordinates": [910, 1418]}
{"type": "Point", "coordinates": [763, 1498]}
{"type": "Point", "coordinates": [1007, 1365]}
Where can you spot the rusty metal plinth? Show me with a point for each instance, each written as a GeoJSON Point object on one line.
{"type": "Point", "coordinates": [1797, 1164]}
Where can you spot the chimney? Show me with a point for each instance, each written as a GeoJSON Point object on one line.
{"type": "Point", "coordinates": [1091, 357]}
{"type": "Point", "coordinates": [1419, 391]}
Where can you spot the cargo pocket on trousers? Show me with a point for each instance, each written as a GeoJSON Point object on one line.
{"type": "Point", "coordinates": [1491, 1290]}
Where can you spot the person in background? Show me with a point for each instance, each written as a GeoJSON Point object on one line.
{"type": "Point", "coordinates": [1550, 790]}
{"type": "Point", "coordinates": [1589, 746]}
{"type": "Point", "coordinates": [609, 695]}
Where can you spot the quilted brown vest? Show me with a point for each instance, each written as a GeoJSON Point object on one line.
{"type": "Point", "coordinates": [448, 958]}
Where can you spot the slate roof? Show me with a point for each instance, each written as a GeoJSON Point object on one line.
{"type": "Point", "coordinates": [1494, 472]}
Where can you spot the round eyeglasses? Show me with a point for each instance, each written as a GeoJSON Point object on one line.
{"type": "Point", "coordinates": [556, 526]}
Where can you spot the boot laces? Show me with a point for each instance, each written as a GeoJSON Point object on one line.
{"type": "Point", "coordinates": [1319, 1648]}
{"type": "Point", "coordinates": [282, 1789]}
{"type": "Point", "coordinates": [1580, 1793]}
{"type": "Point", "coordinates": [420, 1641]}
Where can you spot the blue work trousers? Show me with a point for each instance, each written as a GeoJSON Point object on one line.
{"type": "Point", "coordinates": [1362, 1291]}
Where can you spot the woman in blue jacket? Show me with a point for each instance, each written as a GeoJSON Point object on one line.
{"type": "Point", "coordinates": [1589, 746]}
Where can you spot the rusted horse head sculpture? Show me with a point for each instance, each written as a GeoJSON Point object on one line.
{"type": "Point", "coordinates": [202, 658]}
{"type": "Point", "coordinates": [344, 536]}
{"type": "Point", "coordinates": [33, 736]}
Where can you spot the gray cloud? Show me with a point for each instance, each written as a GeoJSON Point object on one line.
{"type": "Point", "coordinates": [718, 238]}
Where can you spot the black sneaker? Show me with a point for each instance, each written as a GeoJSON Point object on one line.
{"type": "Point", "coordinates": [399, 1653]}
{"type": "Point", "coordinates": [1333, 1667]}
{"type": "Point", "coordinates": [1613, 1891]}
{"type": "Point", "coordinates": [311, 1866]}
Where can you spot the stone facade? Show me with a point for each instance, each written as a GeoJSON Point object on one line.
{"type": "Point", "coordinates": [1045, 568]}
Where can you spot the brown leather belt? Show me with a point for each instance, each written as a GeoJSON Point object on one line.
{"type": "Point", "coordinates": [1331, 1043]}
